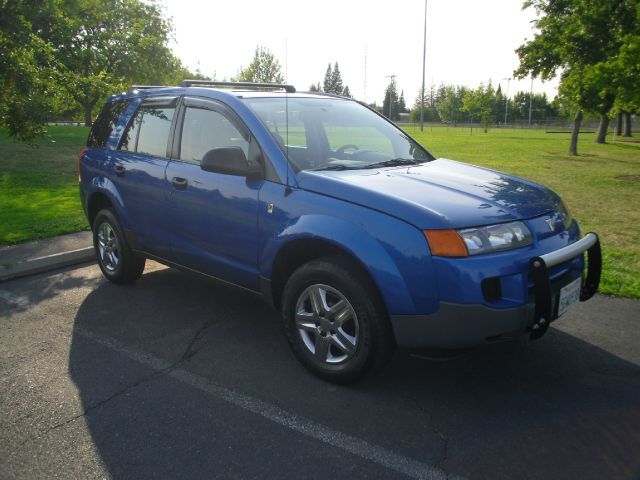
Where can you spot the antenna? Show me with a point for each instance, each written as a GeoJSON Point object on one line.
{"type": "Point", "coordinates": [424, 61]}
{"type": "Point", "coordinates": [365, 74]}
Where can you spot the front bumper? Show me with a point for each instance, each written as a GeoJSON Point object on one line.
{"type": "Point", "coordinates": [456, 325]}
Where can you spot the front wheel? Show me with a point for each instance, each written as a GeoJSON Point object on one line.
{"type": "Point", "coordinates": [115, 258]}
{"type": "Point", "coordinates": [334, 321]}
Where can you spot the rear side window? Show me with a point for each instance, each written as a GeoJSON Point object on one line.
{"type": "Point", "coordinates": [104, 124]}
{"type": "Point", "coordinates": [148, 132]}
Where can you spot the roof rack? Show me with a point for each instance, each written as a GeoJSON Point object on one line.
{"type": "Point", "coordinates": [247, 85]}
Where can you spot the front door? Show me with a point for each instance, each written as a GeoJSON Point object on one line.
{"type": "Point", "coordinates": [212, 217]}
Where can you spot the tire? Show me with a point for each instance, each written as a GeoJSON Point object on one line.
{"type": "Point", "coordinates": [334, 320]}
{"type": "Point", "coordinates": [115, 258]}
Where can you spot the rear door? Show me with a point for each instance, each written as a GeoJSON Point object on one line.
{"type": "Point", "coordinates": [139, 166]}
{"type": "Point", "coordinates": [213, 217]}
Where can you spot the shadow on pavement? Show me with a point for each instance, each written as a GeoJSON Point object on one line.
{"type": "Point", "coordinates": [556, 408]}
{"type": "Point", "coordinates": [21, 297]}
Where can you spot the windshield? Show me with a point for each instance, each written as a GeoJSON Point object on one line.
{"type": "Point", "coordinates": [335, 134]}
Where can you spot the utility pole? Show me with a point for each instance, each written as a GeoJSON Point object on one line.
{"type": "Point", "coordinates": [424, 60]}
{"type": "Point", "coordinates": [506, 102]}
{"type": "Point", "coordinates": [392, 77]}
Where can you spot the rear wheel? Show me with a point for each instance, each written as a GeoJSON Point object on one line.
{"type": "Point", "coordinates": [334, 321]}
{"type": "Point", "coordinates": [115, 258]}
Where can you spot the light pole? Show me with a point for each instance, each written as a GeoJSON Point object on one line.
{"type": "Point", "coordinates": [424, 59]}
{"type": "Point", "coordinates": [506, 102]}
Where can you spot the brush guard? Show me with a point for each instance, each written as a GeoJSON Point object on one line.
{"type": "Point", "coordinates": [546, 304]}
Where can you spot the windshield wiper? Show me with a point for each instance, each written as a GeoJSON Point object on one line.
{"type": "Point", "coordinates": [333, 167]}
{"type": "Point", "coordinates": [394, 162]}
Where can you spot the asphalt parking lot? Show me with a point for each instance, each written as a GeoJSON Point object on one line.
{"type": "Point", "coordinates": [177, 377]}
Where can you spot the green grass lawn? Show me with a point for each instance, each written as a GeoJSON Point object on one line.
{"type": "Point", "coordinates": [39, 185]}
{"type": "Point", "coordinates": [39, 194]}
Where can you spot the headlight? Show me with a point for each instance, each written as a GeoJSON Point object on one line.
{"type": "Point", "coordinates": [495, 237]}
{"type": "Point", "coordinates": [474, 241]}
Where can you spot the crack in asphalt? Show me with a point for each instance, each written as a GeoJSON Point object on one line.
{"type": "Point", "coordinates": [444, 440]}
{"type": "Point", "coordinates": [187, 355]}
{"type": "Point", "coordinates": [445, 445]}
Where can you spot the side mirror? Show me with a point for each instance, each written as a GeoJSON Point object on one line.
{"type": "Point", "coordinates": [230, 161]}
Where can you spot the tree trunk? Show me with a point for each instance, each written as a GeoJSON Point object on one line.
{"type": "Point", "coordinates": [87, 115]}
{"type": "Point", "coordinates": [573, 148]}
{"type": "Point", "coordinates": [602, 129]}
{"type": "Point", "coordinates": [627, 124]}
{"type": "Point", "coordinates": [618, 128]}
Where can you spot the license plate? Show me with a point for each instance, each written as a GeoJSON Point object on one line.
{"type": "Point", "coordinates": [569, 294]}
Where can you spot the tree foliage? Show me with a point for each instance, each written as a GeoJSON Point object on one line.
{"type": "Point", "coordinates": [391, 102]}
{"type": "Point", "coordinates": [264, 68]}
{"type": "Point", "coordinates": [58, 52]}
{"type": "Point", "coordinates": [333, 82]}
{"type": "Point", "coordinates": [446, 104]}
{"type": "Point", "coordinates": [586, 41]}
{"type": "Point", "coordinates": [480, 103]}
{"type": "Point", "coordinates": [27, 67]}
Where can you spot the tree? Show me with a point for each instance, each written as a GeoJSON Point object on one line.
{"type": "Point", "coordinates": [430, 112]}
{"type": "Point", "coordinates": [402, 104]}
{"type": "Point", "coordinates": [336, 80]}
{"type": "Point", "coordinates": [346, 92]}
{"type": "Point", "coordinates": [540, 107]}
{"type": "Point", "coordinates": [27, 67]}
{"type": "Point", "coordinates": [582, 39]}
{"type": "Point", "coordinates": [450, 102]}
{"type": "Point", "coordinates": [79, 50]}
{"type": "Point", "coordinates": [315, 87]}
{"type": "Point", "coordinates": [390, 103]}
{"type": "Point", "coordinates": [480, 104]}
{"type": "Point", "coordinates": [105, 45]}
{"type": "Point", "coordinates": [333, 81]}
{"type": "Point", "coordinates": [627, 70]}
{"type": "Point", "coordinates": [264, 68]}
{"type": "Point", "coordinates": [328, 79]}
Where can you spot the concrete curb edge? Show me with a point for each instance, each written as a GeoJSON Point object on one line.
{"type": "Point", "coordinates": [47, 263]}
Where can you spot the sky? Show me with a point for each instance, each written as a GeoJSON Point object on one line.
{"type": "Point", "coordinates": [468, 41]}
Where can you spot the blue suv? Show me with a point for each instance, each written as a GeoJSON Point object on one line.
{"type": "Point", "coordinates": [350, 228]}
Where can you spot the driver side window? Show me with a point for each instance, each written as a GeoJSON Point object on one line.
{"type": "Point", "coordinates": [204, 130]}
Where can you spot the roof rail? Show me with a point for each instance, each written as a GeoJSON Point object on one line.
{"type": "Point", "coordinates": [328, 94]}
{"type": "Point", "coordinates": [144, 87]}
{"type": "Point", "coordinates": [247, 85]}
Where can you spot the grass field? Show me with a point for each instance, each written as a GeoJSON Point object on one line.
{"type": "Point", "coordinates": [39, 187]}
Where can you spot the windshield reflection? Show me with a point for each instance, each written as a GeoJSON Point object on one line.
{"type": "Point", "coordinates": [335, 134]}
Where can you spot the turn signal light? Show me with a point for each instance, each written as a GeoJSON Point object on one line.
{"type": "Point", "coordinates": [446, 243]}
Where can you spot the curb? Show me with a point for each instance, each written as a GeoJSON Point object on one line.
{"type": "Point", "coordinates": [47, 263]}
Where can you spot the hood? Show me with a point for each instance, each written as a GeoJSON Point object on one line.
{"type": "Point", "coordinates": [438, 194]}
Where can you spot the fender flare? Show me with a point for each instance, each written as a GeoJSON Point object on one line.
{"type": "Point", "coordinates": [102, 185]}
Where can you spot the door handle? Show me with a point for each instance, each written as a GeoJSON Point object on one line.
{"type": "Point", "coordinates": [119, 169]}
{"type": "Point", "coordinates": [179, 183]}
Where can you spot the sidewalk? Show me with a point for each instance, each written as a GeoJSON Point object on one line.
{"type": "Point", "coordinates": [44, 255]}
